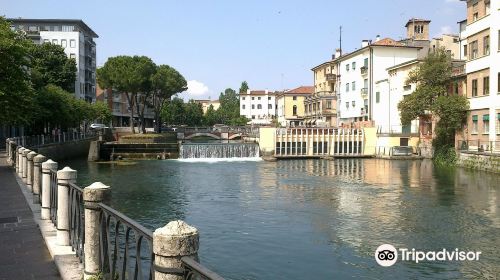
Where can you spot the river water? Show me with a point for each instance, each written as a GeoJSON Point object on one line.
{"type": "Point", "coordinates": [315, 219]}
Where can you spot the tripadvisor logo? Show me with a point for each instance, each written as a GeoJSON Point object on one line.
{"type": "Point", "coordinates": [388, 255]}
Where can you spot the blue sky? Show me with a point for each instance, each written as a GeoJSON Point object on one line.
{"type": "Point", "coordinates": [217, 44]}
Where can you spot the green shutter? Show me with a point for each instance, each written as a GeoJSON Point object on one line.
{"type": "Point", "coordinates": [498, 116]}
{"type": "Point", "coordinates": [486, 117]}
{"type": "Point", "coordinates": [474, 118]}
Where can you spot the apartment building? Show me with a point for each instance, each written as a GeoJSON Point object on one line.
{"type": "Point", "coordinates": [118, 105]}
{"type": "Point", "coordinates": [480, 40]}
{"type": "Point", "coordinates": [321, 106]}
{"type": "Point", "coordinates": [450, 42]}
{"type": "Point", "coordinates": [259, 106]}
{"type": "Point", "coordinates": [290, 106]}
{"type": "Point", "coordinates": [77, 39]}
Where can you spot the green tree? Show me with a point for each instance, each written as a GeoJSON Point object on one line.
{"type": "Point", "coordinates": [130, 75]}
{"type": "Point", "coordinates": [16, 94]}
{"type": "Point", "coordinates": [244, 87]}
{"type": "Point", "coordinates": [229, 106]}
{"type": "Point", "coordinates": [101, 112]}
{"type": "Point", "coordinates": [166, 83]}
{"type": "Point", "coordinates": [211, 117]}
{"type": "Point", "coordinates": [194, 113]}
{"type": "Point", "coordinates": [430, 96]}
{"type": "Point", "coordinates": [50, 65]}
{"type": "Point", "coordinates": [174, 112]}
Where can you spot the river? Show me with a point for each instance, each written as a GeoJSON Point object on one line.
{"type": "Point", "coordinates": [315, 219]}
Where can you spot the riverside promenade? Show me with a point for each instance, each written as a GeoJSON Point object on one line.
{"type": "Point", "coordinates": [23, 253]}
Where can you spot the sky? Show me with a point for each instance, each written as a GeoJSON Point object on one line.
{"type": "Point", "coordinates": [270, 44]}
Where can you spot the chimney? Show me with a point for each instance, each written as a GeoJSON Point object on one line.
{"type": "Point", "coordinates": [377, 38]}
{"type": "Point", "coordinates": [365, 43]}
{"type": "Point", "coordinates": [338, 52]}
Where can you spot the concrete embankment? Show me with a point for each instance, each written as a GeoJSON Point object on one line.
{"type": "Point", "coordinates": [66, 150]}
{"type": "Point", "coordinates": [480, 161]}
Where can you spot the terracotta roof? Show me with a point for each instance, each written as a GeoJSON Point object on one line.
{"type": "Point", "coordinates": [416, 20]}
{"type": "Point", "coordinates": [258, 92]}
{"type": "Point", "coordinates": [387, 42]}
{"type": "Point", "coordinates": [301, 90]}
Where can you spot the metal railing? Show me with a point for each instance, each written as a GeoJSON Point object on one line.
{"type": "Point", "coordinates": [76, 220]}
{"type": "Point", "coordinates": [53, 197]}
{"type": "Point", "coordinates": [397, 150]}
{"type": "Point", "coordinates": [492, 147]}
{"type": "Point", "coordinates": [34, 141]}
{"type": "Point", "coordinates": [116, 233]}
{"type": "Point", "coordinates": [195, 271]}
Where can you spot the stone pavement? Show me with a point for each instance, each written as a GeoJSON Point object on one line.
{"type": "Point", "coordinates": [23, 253]}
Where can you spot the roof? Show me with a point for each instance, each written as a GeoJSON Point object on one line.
{"type": "Point", "coordinates": [412, 20]}
{"type": "Point", "coordinates": [301, 90]}
{"type": "Point", "coordinates": [323, 64]}
{"type": "Point", "coordinates": [407, 63]}
{"type": "Point", "coordinates": [78, 22]}
{"type": "Point", "coordinates": [388, 42]}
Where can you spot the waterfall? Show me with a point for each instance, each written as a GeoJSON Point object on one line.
{"type": "Point", "coordinates": [219, 150]}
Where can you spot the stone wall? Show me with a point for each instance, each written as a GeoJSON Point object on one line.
{"type": "Point", "coordinates": [478, 161]}
{"type": "Point", "coordinates": [66, 150]}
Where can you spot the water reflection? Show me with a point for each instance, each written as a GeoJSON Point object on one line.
{"type": "Point", "coordinates": [316, 219]}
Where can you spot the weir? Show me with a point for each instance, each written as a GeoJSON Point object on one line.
{"type": "Point", "coordinates": [218, 150]}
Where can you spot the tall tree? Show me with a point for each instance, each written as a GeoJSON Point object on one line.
{"type": "Point", "coordinates": [229, 106]}
{"type": "Point", "coordinates": [430, 96]}
{"type": "Point", "coordinates": [50, 65]}
{"type": "Point", "coordinates": [194, 113]}
{"type": "Point", "coordinates": [173, 113]}
{"type": "Point", "coordinates": [166, 83]}
{"type": "Point", "coordinates": [244, 87]}
{"type": "Point", "coordinates": [16, 94]}
{"type": "Point", "coordinates": [127, 74]}
{"type": "Point", "coordinates": [211, 116]}
{"type": "Point", "coordinates": [146, 68]}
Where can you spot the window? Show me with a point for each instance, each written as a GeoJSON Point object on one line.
{"type": "Point", "coordinates": [377, 97]}
{"type": "Point", "coordinates": [474, 87]}
{"type": "Point", "coordinates": [243, 107]}
{"type": "Point", "coordinates": [486, 124]}
{"type": "Point", "coordinates": [353, 65]}
{"type": "Point", "coordinates": [259, 106]}
{"type": "Point", "coordinates": [365, 64]}
{"type": "Point", "coordinates": [465, 50]}
{"type": "Point", "coordinates": [347, 87]}
{"type": "Point", "coordinates": [499, 40]}
{"type": "Point", "coordinates": [314, 106]}
{"type": "Point", "coordinates": [253, 117]}
{"type": "Point", "coordinates": [498, 80]}
{"type": "Point", "coordinates": [347, 104]}
{"type": "Point", "coordinates": [487, 7]}
{"type": "Point", "coordinates": [473, 50]}
{"type": "Point", "coordinates": [243, 98]}
{"type": "Point", "coordinates": [295, 98]}
{"type": "Point", "coordinates": [253, 106]}
{"type": "Point", "coordinates": [475, 16]}
{"type": "Point", "coordinates": [269, 98]}
{"type": "Point", "coordinates": [253, 98]}
{"type": "Point", "coordinates": [497, 128]}
{"type": "Point", "coordinates": [72, 55]}
{"type": "Point", "coordinates": [486, 86]}
{"type": "Point", "coordinates": [46, 41]}
{"type": "Point", "coordinates": [64, 43]}
{"type": "Point", "coordinates": [270, 106]}
{"type": "Point", "coordinates": [347, 67]}
{"type": "Point", "coordinates": [353, 86]}
{"type": "Point", "coordinates": [295, 110]}
{"type": "Point", "coordinates": [328, 104]}
{"type": "Point", "coordinates": [72, 43]}
{"type": "Point", "coordinates": [407, 87]}
{"type": "Point", "coordinates": [353, 103]}
{"type": "Point", "coordinates": [486, 45]}
{"type": "Point", "coordinates": [54, 41]}
{"type": "Point", "coordinates": [474, 124]}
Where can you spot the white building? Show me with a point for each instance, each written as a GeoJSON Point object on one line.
{"type": "Point", "coordinates": [480, 40]}
{"type": "Point", "coordinates": [258, 105]}
{"type": "Point", "coordinates": [362, 74]}
{"type": "Point", "coordinates": [77, 40]}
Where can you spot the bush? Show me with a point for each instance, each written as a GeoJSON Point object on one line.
{"type": "Point", "coordinates": [445, 156]}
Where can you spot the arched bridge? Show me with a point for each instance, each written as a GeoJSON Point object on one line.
{"type": "Point", "coordinates": [224, 133]}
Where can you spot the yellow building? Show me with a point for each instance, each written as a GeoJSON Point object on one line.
{"type": "Point", "coordinates": [205, 104]}
{"type": "Point", "coordinates": [321, 106]}
{"type": "Point", "coordinates": [290, 105]}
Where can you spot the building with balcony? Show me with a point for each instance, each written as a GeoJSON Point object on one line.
{"type": "Point", "coordinates": [480, 40]}
{"type": "Point", "coordinates": [320, 108]}
{"type": "Point", "coordinates": [118, 105]}
{"type": "Point", "coordinates": [259, 106]}
{"type": "Point", "coordinates": [77, 39]}
{"type": "Point", "coordinates": [290, 106]}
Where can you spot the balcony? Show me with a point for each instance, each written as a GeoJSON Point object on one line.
{"type": "Point", "coordinates": [330, 77]}
{"type": "Point", "coordinates": [458, 71]}
{"type": "Point", "coordinates": [364, 70]}
{"type": "Point", "coordinates": [364, 93]}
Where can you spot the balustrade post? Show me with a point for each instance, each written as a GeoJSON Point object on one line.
{"type": "Point", "coordinates": [29, 175]}
{"type": "Point", "coordinates": [64, 177]}
{"type": "Point", "coordinates": [24, 162]}
{"type": "Point", "coordinates": [19, 160]}
{"type": "Point", "coordinates": [13, 149]}
{"type": "Point", "coordinates": [45, 192]}
{"type": "Point", "coordinates": [37, 177]}
{"type": "Point", "coordinates": [170, 243]}
{"type": "Point", "coordinates": [92, 195]}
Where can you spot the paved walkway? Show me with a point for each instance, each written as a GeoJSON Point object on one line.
{"type": "Point", "coordinates": [23, 253]}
